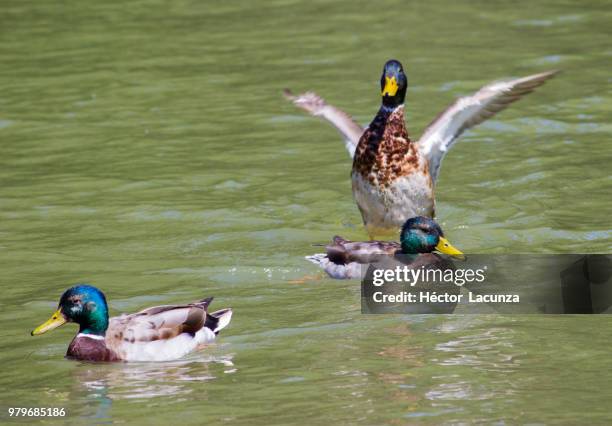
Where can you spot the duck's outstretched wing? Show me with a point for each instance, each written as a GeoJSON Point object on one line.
{"type": "Point", "coordinates": [316, 105]}
{"type": "Point", "coordinates": [469, 111]}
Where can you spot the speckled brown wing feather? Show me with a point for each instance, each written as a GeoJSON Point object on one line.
{"type": "Point", "coordinates": [316, 105]}
{"type": "Point", "coordinates": [469, 111]}
{"type": "Point", "coordinates": [159, 322]}
{"type": "Point", "coordinates": [343, 251]}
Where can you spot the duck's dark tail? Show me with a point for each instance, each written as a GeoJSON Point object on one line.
{"type": "Point", "coordinates": [218, 320]}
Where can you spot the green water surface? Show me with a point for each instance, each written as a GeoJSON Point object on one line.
{"type": "Point", "coordinates": [145, 148]}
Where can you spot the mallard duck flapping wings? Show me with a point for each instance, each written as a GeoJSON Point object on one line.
{"type": "Point", "coordinates": [420, 236]}
{"type": "Point", "coordinates": [160, 333]}
{"type": "Point", "coordinates": [393, 177]}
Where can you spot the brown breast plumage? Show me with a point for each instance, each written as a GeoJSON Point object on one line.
{"type": "Point", "coordinates": [90, 349]}
{"type": "Point", "coordinates": [385, 152]}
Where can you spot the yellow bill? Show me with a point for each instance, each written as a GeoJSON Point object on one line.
{"type": "Point", "coordinates": [55, 321]}
{"type": "Point", "coordinates": [444, 246]}
{"type": "Point", "coordinates": [391, 86]}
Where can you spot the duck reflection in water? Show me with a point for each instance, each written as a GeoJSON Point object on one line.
{"type": "Point", "coordinates": [105, 383]}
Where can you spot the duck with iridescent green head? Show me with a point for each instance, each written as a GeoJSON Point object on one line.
{"type": "Point", "coordinates": [419, 238]}
{"type": "Point", "coordinates": [160, 333]}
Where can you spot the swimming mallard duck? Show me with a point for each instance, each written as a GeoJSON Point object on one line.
{"type": "Point", "coordinates": [419, 236]}
{"type": "Point", "coordinates": [161, 333]}
{"type": "Point", "coordinates": [393, 177]}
